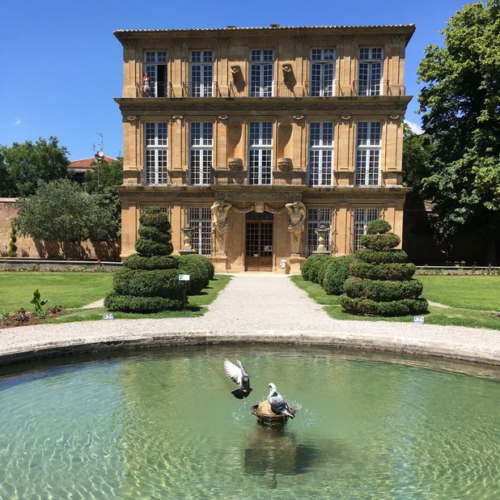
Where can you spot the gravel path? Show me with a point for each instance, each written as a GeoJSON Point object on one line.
{"type": "Point", "coordinates": [254, 307]}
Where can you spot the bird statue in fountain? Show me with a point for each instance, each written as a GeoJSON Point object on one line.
{"type": "Point", "coordinates": [278, 404]}
{"type": "Point", "coordinates": [238, 375]}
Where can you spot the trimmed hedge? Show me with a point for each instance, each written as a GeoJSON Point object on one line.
{"type": "Point", "coordinates": [153, 234]}
{"type": "Point", "coordinates": [209, 267]}
{"type": "Point", "coordinates": [336, 273]}
{"type": "Point", "coordinates": [383, 291]}
{"type": "Point", "coordinates": [385, 272]}
{"type": "Point", "coordinates": [381, 256]}
{"type": "Point", "coordinates": [311, 266]}
{"type": "Point", "coordinates": [148, 248]}
{"type": "Point", "coordinates": [156, 283]}
{"type": "Point", "coordinates": [378, 227]}
{"type": "Point", "coordinates": [322, 270]}
{"type": "Point", "coordinates": [380, 241]}
{"type": "Point", "coordinates": [134, 304]}
{"type": "Point", "coordinates": [136, 261]}
{"type": "Point", "coordinates": [364, 306]}
{"type": "Point", "coordinates": [154, 217]}
{"type": "Point", "coordinates": [198, 275]}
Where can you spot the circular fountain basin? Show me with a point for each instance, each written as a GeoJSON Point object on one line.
{"type": "Point", "coordinates": [163, 423]}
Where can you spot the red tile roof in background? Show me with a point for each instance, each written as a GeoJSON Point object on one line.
{"type": "Point", "coordinates": [87, 162]}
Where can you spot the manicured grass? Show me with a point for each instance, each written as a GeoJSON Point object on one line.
{"type": "Point", "coordinates": [64, 289]}
{"type": "Point", "coordinates": [74, 290]}
{"type": "Point", "coordinates": [468, 292]}
{"type": "Point", "coordinates": [483, 290]}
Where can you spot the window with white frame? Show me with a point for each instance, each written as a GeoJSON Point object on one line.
{"type": "Point", "coordinates": [155, 65]}
{"type": "Point", "coordinates": [260, 152]}
{"type": "Point", "coordinates": [156, 148]}
{"type": "Point", "coordinates": [200, 221]}
{"type": "Point", "coordinates": [322, 72]}
{"type": "Point", "coordinates": [201, 142]}
{"type": "Point", "coordinates": [362, 217]}
{"type": "Point", "coordinates": [202, 62]}
{"type": "Point", "coordinates": [315, 218]}
{"type": "Point", "coordinates": [368, 153]}
{"type": "Point", "coordinates": [320, 153]}
{"type": "Point", "coordinates": [261, 73]}
{"type": "Point", "coordinates": [370, 71]}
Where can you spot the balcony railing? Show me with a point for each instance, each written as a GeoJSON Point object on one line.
{"type": "Point", "coordinates": [363, 88]}
{"type": "Point", "coordinates": [323, 88]}
{"type": "Point", "coordinates": [200, 89]}
{"type": "Point", "coordinates": [156, 89]}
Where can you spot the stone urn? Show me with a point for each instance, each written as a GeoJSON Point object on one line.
{"type": "Point", "coordinates": [188, 235]}
{"type": "Point", "coordinates": [322, 233]}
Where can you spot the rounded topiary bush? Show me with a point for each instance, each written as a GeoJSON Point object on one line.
{"type": "Point", "coordinates": [336, 273]}
{"type": "Point", "coordinates": [310, 268]}
{"type": "Point", "coordinates": [198, 273]}
{"type": "Point", "coordinates": [322, 270]}
{"type": "Point", "coordinates": [149, 281]}
{"type": "Point", "coordinates": [381, 282]}
{"type": "Point", "coordinates": [209, 267]}
{"type": "Point", "coordinates": [137, 261]}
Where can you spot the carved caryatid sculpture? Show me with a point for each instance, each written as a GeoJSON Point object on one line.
{"type": "Point", "coordinates": [220, 225]}
{"type": "Point", "coordinates": [296, 220]}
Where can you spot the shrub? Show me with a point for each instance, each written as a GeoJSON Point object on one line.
{"type": "Point", "coordinates": [12, 252]}
{"type": "Point", "coordinates": [135, 304]}
{"type": "Point", "coordinates": [310, 262]}
{"type": "Point", "coordinates": [381, 256]}
{"type": "Point", "coordinates": [205, 262]}
{"type": "Point", "coordinates": [149, 281]}
{"type": "Point", "coordinates": [322, 270]}
{"type": "Point", "coordinates": [198, 274]}
{"type": "Point", "coordinates": [337, 271]}
{"type": "Point", "coordinates": [388, 272]}
{"type": "Point", "coordinates": [136, 261]}
{"type": "Point", "coordinates": [382, 282]}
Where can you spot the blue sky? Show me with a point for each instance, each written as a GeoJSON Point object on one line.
{"type": "Point", "coordinates": [63, 65]}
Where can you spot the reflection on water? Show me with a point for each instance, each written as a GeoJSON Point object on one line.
{"type": "Point", "coordinates": [163, 424]}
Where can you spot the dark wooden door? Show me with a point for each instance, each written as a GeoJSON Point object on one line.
{"type": "Point", "coordinates": [259, 244]}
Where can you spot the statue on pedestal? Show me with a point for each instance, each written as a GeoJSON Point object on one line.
{"type": "Point", "coordinates": [296, 220]}
{"type": "Point", "coordinates": [220, 226]}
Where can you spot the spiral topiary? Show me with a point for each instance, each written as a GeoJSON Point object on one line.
{"type": "Point", "coordinates": [381, 282]}
{"type": "Point", "coordinates": [149, 281]}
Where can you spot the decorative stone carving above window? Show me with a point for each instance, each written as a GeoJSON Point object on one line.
{"type": "Point", "coordinates": [235, 164]}
{"type": "Point", "coordinates": [285, 164]}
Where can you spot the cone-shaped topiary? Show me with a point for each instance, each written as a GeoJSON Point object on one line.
{"type": "Point", "coordinates": [12, 243]}
{"type": "Point", "coordinates": [381, 282]}
{"type": "Point", "coordinates": [149, 281]}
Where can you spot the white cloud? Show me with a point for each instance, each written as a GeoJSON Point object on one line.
{"type": "Point", "coordinates": [414, 127]}
{"type": "Point", "coordinates": [18, 122]}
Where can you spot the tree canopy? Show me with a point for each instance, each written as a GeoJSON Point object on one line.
{"type": "Point", "coordinates": [23, 165]}
{"type": "Point", "coordinates": [460, 106]}
{"type": "Point", "coordinates": [61, 211]}
{"type": "Point", "coordinates": [109, 174]}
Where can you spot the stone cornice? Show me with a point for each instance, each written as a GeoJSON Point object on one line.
{"type": "Point", "coordinates": [384, 104]}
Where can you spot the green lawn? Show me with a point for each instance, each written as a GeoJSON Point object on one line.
{"type": "Point", "coordinates": [471, 300]}
{"type": "Point", "coordinates": [74, 290]}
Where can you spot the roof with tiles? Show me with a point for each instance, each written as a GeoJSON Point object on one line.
{"type": "Point", "coordinates": [88, 162]}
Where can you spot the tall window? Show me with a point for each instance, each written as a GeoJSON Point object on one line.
{"type": "Point", "coordinates": [370, 71]}
{"type": "Point", "coordinates": [156, 144]}
{"type": "Point", "coordinates": [362, 217]}
{"type": "Point", "coordinates": [315, 218]}
{"type": "Point", "coordinates": [368, 154]}
{"type": "Point", "coordinates": [260, 154]}
{"type": "Point", "coordinates": [201, 141]}
{"type": "Point", "coordinates": [202, 73]}
{"type": "Point", "coordinates": [320, 154]}
{"type": "Point", "coordinates": [322, 72]}
{"type": "Point", "coordinates": [155, 64]}
{"type": "Point", "coordinates": [261, 73]}
{"type": "Point", "coordinates": [200, 220]}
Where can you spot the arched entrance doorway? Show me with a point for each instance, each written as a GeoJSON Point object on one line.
{"type": "Point", "coordinates": [259, 241]}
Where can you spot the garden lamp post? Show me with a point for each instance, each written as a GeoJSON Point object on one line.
{"type": "Point", "coordinates": [99, 156]}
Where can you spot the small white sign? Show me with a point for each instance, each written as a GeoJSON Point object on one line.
{"type": "Point", "coordinates": [268, 248]}
{"type": "Point", "coordinates": [184, 277]}
{"type": "Point", "coordinates": [418, 319]}
{"type": "Point", "coordinates": [108, 316]}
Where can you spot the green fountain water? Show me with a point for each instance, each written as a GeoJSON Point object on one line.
{"type": "Point", "coordinates": [163, 424]}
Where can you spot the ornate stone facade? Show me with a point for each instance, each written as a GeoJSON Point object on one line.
{"type": "Point", "coordinates": [255, 137]}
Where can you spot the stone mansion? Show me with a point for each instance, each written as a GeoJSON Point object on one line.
{"type": "Point", "coordinates": [251, 139]}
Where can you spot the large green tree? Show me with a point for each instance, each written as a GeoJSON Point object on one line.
{"type": "Point", "coordinates": [460, 106]}
{"type": "Point", "coordinates": [22, 166]}
{"type": "Point", "coordinates": [415, 158]}
{"type": "Point", "coordinates": [108, 175]}
{"type": "Point", "coordinates": [61, 211]}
